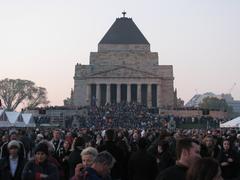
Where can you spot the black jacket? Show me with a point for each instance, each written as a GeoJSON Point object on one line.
{"type": "Point", "coordinates": [176, 172]}
{"type": "Point", "coordinates": [74, 159]}
{"type": "Point", "coordinates": [117, 153]}
{"type": "Point", "coordinates": [5, 172]}
{"type": "Point", "coordinates": [231, 170]}
{"type": "Point", "coordinates": [142, 166]}
{"type": "Point", "coordinates": [164, 160]}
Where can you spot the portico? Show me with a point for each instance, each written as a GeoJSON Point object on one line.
{"type": "Point", "coordinates": [148, 94]}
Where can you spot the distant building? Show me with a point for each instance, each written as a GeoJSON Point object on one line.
{"type": "Point", "coordinates": [198, 98]}
{"type": "Point", "coordinates": [235, 105]}
{"type": "Point", "coordinates": [231, 102]}
{"type": "Point", "coordinates": [124, 70]}
{"type": "Point", "coordinates": [195, 113]}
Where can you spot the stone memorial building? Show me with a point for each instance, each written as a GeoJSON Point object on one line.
{"type": "Point", "coordinates": [124, 70]}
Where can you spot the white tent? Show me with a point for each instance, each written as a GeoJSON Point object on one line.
{"type": "Point", "coordinates": [15, 118]}
{"type": "Point", "coordinates": [12, 116]}
{"type": "Point", "coordinates": [232, 123]}
{"type": "Point", "coordinates": [28, 120]}
{"type": "Point", "coordinates": [4, 122]}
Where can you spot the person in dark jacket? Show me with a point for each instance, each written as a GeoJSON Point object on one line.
{"type": "Point", "coordinates": [188, 151]}
{"type": "Point", "coordinates": [11, 166]}
{"type": "Point", "coordinates": [57, 143]}
{"type": "Point", "coordinates": [163, 156]}
{"type": "Point", "coordinates": [142, 165]}
{"type": "Point", "coordinates": [75, 155]}
{"type": "Point", "coordinates": [109, 145]}
{"type": "Point", "coordinates": [228, 161]}
{"type": "Point", "coordinates": [64, 158]}
{"type": "Point", "coordinates": [40, 168]}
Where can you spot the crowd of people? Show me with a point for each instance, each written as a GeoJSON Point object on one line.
{"type": "Point", "coordinates": [119, 154]}
{"type": "Point", "coordinates": [134, 115]}
{"type": "Point", "coordinates": [124, 115]}
{"type": "Point", "coordinates": [121, 115]}
{"type": "Point", "coordinates": [120, 142]}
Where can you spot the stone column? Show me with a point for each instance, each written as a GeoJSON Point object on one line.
{"type": "Point", "coordinates": [159, 95]}
{"type": "Point", "coordinates": [149, 95]}
{"type": "Point", "coordinates": [88, 98]}
{"type": "Point", "coordinates": [128, 93]}
{"type": "Point", "coordinates": [118, 93]}
{"type": "Point", "coordinates": [98, 94]}
{"type": "Point", "coordinates": [139, 95]}
{"type": "Point", "coordinates": [108, 100]}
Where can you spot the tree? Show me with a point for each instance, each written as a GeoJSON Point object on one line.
{"type": "Point", "coordinates": [16, 91]}
{"type": "Point", "coordinates": [213, 103]}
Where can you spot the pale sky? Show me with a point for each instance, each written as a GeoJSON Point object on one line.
{"type": "Point", "coordinates": [42, 40]}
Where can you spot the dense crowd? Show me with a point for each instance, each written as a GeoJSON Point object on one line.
{"type": "Point", "coordinates": [124, 115]}
{"type": "Point", "coordinates": [127, 154]}
{"type": "Point", "coordinates": [121, 115]}
{"type": "Point", "coordinates": [120, 142]}
{"type": "Point", "coordinates": [133, 115]}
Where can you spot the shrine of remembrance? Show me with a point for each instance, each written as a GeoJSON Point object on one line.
{"type": "Point", "coordinates": [124, 70]}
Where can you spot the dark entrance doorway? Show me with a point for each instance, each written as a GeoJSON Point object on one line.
{"type": "Point", "coordinates": [113, 92]}
{"type": "Point", "coordinates": [144, 94]}
{"type": "Point", "coordinates": [123, 92]}
{"type": "Point", "coordinates": [103, 90]}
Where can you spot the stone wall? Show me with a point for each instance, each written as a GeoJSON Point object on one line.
{"type": "Point", "coordinates": [124, 58]}
{"type": "Point", "coordinates": [195, 113]}
{"type": "Point", "coordinates": [79, 95]}
{"type": "Point", "coordinates": [167, 93]}
{"type": "Point", "coordinates": [163, 71]}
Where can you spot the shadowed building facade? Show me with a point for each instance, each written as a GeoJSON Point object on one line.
{"type": "Point", "coordinates": [124, 70]}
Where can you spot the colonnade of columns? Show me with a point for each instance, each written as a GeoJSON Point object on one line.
{"type": "Point", "coordinates": [149, 94]}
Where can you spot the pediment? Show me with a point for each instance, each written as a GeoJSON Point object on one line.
{"type": "Point", "coordinates": [123, 72]}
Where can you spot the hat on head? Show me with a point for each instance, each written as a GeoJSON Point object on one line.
{"type": "Point", "coordinates": [13, 143]}
{"type": "Point", "coordinates": [42, 147]}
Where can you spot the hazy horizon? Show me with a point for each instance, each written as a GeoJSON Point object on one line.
{"type": "Point", "coordinates": [42, 41]}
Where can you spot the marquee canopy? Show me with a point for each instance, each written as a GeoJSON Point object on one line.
{"type": "Point", "coordinates": [16, 119]}
{"type": "Point", "coordinates": [232, 123]}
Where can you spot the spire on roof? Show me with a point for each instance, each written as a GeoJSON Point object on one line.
{"type": "Point", "coordinates": [124, 13]}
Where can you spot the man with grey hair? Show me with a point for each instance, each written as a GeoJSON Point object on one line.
{"type": "Point", "coordinates": [88, 156]}
{"type": "Point", "coordinates": [100, 168]}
